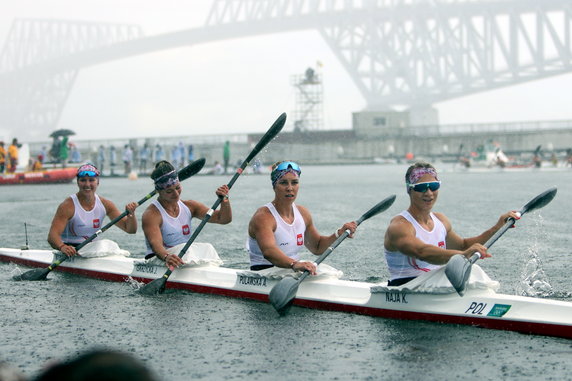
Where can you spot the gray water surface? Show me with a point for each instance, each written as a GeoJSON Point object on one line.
{"type": "Point", "coordinates": [182, 336]}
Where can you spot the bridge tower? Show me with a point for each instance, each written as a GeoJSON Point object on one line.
{"type": "Point", "coordinates": [308, 111]}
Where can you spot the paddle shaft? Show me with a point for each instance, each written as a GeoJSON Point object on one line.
{"type": "Point", "coordinates": [510, 222]}
{"type": "Point", "coordinates": [378, 208]}
{"type": "Point", "coordinates": [270, 134]}
{"type": "Point", "coordinates": [283, 293]}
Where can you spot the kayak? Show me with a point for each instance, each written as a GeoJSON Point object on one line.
{"type": "Point", "coordinates": [48, 176]}
{"type": "Point", "coordinates": [481, 307]}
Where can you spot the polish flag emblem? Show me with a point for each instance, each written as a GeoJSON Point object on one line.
{"type": "Point", "coordinates": [300, 240]}
{"type": "Point", "coordinates": [442, 244]}
{"type": "Point", "coordinates": [96, 223]}
{"type": "Point", "coordinates": [186, 230]}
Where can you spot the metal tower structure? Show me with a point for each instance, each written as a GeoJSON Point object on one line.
{"type": "Point", "coordinates": [309, 107]}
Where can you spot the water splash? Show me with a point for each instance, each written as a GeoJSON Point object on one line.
{"type": "Point", "coordinates": [134, 284]}
{"type": "Point", "coordinates": [15, 270]}
{"type": "Point", "coordinates": [534, 281]}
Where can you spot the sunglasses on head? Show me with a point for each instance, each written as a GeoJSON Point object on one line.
{"type": "Point", "coordinates": [87, 173]}
{"type": "Point", "coordinates": [286, 165]}
{"type": "Point", "coordinates": [423, 187]}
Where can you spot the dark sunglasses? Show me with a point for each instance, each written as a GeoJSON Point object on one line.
{"type": "Point", "coordinates": [288, 164]}
{"type": "Point", "coordinates": [422, 187]}
{"type": "Point", "coordinates": [87, 173]}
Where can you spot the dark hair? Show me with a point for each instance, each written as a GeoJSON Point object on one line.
{"type": "Point", "coordinates": [99, 365]}
{"type": "Point", "coordinates": [161, 168]}
{"type": "Point", "coordinates": [419, 164]}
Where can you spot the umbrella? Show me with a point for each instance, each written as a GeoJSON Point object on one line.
{"type": "Point", "coordinates": [61, 132]}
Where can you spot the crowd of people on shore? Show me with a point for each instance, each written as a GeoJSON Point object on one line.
{"type": "Point", "coordinates": [141, 159]}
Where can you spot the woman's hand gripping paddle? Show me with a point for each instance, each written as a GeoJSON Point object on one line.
{"type": "Point", "coordinates": [458, 268]}
{"type": "Point", "coordinates": [283, 293]}
{"type": "Point", "coordinates": [157, 286]}
{"type": "Point", "coordinates": [41, 274]}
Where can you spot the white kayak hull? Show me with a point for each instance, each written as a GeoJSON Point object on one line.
{"type": "Point", "coordinates": [482, 308]}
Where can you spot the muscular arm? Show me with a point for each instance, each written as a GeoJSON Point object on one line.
{"type": "Point", "coordinates": [317, 243]}
{"type": "Point", "coordinates": [63, 214]}
{"type": "Point", "coordinates": [128, 223]}
{"type": "Point", "coordinates": [454, 241]}
{"type": "Point", "coordinates": [221, 216]}
{"type": "Point", "coordinates": [152, 221]}
{"type": "Point", "coordinates": [400, 236]}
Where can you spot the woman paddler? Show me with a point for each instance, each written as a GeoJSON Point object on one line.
{"type": "Point", "coordinates": [80, 215]}
{"type": "Point", "coordinates": [419, 240]}
{"type": "Point", "coordinates": [280, 229]}
{"type": "Point", "coordinates": [167, 221]}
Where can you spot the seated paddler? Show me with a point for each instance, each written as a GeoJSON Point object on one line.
{"type": "Point", "coordinates": [280, 229]}
{"type": "Point", "coordinates": [81, 215]}
{"type": "Point", "coordinates": [419, 240]}
{"type": "Point", "coordinates": [167, 220]}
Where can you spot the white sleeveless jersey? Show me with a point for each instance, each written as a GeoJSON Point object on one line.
{"type": "Point", "coordinates": [289, 237]}
{"type": "Point", "coordinates": [404, 266]}
{"type": "Point", "coordinates": [84, 223]}
{"type": "Point", "coordinates": [175, 230]}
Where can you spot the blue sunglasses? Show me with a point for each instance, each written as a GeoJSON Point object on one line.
{"type": "Point", "coordinates": [288, 164]}
{"type": "Point", "coordinates": [87, 173]}
{"type": "Point", "coordinates": [423, 187]}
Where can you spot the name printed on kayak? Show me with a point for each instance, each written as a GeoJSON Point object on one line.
{"type": "Point", "coordinates": [143, 268]}
{"type": "Point", "coordinates": [396, 297]}
{"type": "Point", "coordinates": [252, 281]}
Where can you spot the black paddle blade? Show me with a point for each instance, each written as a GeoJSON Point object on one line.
{"type": "Point", "coordinates": [154, 287]}
{"type": "Point", "coordinates": [458, 271]}
{"type": "Point", "coordinates": [37, 274]}
{"type": "Point", "coordinates": [380, 207]}
{"type": "Point", "coordinates": [283, 293]}
{"type": "Point", "coordinates": [191, 169]}
{"type": "Point", "coordinates": [539, 201]}
{"type": "Point", "coordinates": [268, 136]}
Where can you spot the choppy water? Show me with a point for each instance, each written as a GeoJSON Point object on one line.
{"type": "Point", "coordinates": [184, 336]}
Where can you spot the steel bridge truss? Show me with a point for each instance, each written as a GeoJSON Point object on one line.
{"type": "Point", "coordinates": [415, 53]}
{"type": "Point", "coordinates": [409, 53]}
{"type": "Point", "coordinates": [34, 87]}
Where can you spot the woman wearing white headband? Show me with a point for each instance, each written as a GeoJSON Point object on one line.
{"type": "Point", "coordinates": [280, 229]}
{"type": "Point", "coordinates": [418, 240]}
{"type": "Point", "coordinates": [80, 215]}
{"type": "Point", "coordinates": [167, 221]}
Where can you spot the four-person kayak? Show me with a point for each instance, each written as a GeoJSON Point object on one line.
{"type": "Point", "coordinates": [480, 306]}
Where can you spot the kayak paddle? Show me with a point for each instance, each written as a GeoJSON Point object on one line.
{"type": "Point", "coordinates": [283, 293]}
{"type": "Point", "coordinates": [157, 286]}
{"type": "Point", "coordinates": [41, 274]}
{"type": "Point", "coordinates": [458, 268]}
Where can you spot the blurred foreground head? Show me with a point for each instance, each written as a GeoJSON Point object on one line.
{"type": "Point", "coordinates": [9, 373]}
{"type": "Point", "coordinates": [99, 365]}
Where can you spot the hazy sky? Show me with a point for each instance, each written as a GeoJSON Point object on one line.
{"type": "Point", "coordinates": [232, 86]}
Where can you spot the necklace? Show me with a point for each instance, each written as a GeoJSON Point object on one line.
{"type": "Point", "coordinates": [172, 210]}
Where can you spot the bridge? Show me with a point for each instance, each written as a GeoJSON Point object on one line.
{"type": "Point", "coordinates": [398, 53]}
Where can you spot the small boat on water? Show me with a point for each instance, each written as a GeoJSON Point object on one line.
{"type": "Point", "coordinates": [480, 306]}
{"type": "Point", "coordinates": [46, 176]}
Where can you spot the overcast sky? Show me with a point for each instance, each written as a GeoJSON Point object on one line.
{"type": "Point", "coordinates": [234, 86]}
